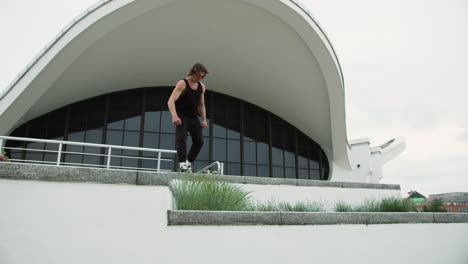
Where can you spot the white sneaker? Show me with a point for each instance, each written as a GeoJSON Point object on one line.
{"type": "Point", "coordinates": [189, 166]}
{"type": "Point", "coordinates": [183, 167]}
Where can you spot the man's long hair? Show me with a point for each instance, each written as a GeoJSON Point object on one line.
{"type": "Point", "coordinates": [198, 67]}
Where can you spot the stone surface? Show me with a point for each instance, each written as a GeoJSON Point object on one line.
{"type": "Point", "coordinates": [399, 218]}
{"type": "Point", "coordinates": [63, 173]}
{"type": "Point", "coordinates": [53, 173]}
{"type": "Point", "coordinates": [450, 218]}
{"type": "Point", "coordinates": [315, 183]}
{"type": "Point", "coordinates": [152, 178]}
{"type": "Point", "coordinates": [307, 218]}
{"type": "Point", "coordinates": [222, 218]}
{"type": "Point", "coordinates": [358, 185]}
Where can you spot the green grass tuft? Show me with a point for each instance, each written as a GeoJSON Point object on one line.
{"type": "Point", "coordinates": [288, 207]}
{"type": "Point", "coordinates": [343, 207]}
{"type": "Point", "coordinates": [208, 193]}
{"type": "Point", "coordinates": [389, 204]}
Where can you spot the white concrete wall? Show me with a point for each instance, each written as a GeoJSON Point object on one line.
{"type": "Point", "coordinates": [44, 222]}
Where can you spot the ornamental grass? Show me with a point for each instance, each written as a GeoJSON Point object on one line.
{"type": "Point", "coordinates": [208, 193]}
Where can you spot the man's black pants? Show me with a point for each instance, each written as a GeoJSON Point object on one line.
{"type": "Point", "coordinates": [192, 125]}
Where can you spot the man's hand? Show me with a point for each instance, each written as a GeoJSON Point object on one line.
{"type": "Point", "coordinates": [176, 120]}
{"type": "Point", "coordinates": [204, 125]}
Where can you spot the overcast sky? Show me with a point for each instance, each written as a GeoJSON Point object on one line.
{"type": "Point", "coordinates": [405, 64]}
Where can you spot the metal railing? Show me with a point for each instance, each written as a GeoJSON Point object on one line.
{"type": "Point", "coordinates": [107, 153]}
{"type": "Point", "coordinates": [219, 171]}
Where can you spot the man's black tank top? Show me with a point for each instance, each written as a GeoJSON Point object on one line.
{"type": "Point", "coordinates": [188, 101]}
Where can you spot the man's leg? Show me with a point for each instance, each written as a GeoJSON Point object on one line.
{"type": "Point", "coordinates": [195, 130]}
{"type": "Point", "coordinates": [181, 140]}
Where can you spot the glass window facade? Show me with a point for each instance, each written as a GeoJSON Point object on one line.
{"type": "Point", "coordinates": [247, 139]}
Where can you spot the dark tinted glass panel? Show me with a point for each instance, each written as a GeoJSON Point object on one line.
{"type": "Point", "coordinates": [303, 163]}
{"type": "Point", "coordinates": [115, 138]}
{"type": "Point", "coordinates": [78, 116]}
{"type": "Point", "coordinates": [150, 140]}
{"type": "Point", "coordinates": [250, 153]}
{"type": "Point", "coordinates": [277, 156]}
{"type": "Point", "coordinates": [131, 139]}
{"type": "Point", "coordinates": [167, 141]}
{"type": "Point", "coordinates": [303, 174]}
{"type": "Point", "coordinates": [156, 98]}
{"type": "Point", "coordinates": [76, 136]}
{"type": "Point", "coordinates": [38, 129]}
{"type": "Point", "coordinates": [263, 154]}
{"type": "Point", "coordinates": [314, 175]}
{"type": "Point", "coordinates": [263, 171]}
{"type": "Point", "coordinates": [233, 169]}
{"type": "Point", "coordinates": [117, 124]}
{"type": "Point", "coordinates": [219, 149]}
{"type": "Point", "coordinates": [94, 136]}
{"type": "Point", "coordinates": [219, 131]}
{"type": "Point", "coordinates": [290, 173]}
{"type": "Point", "coordinates": [278, 172]}
{"type": "Point", "coordinates": [289, 159]}
{"type": "Point", "coordinates": [198, 165]}
{"type": "Point", "coordinates": [314, 164]}
{"type": "Point", "coordinates": [152, 120]}
{"type": "Point", "coordinates": [55, 133]}
{"type": "Point", "coordinates": [166, 122]}
{"type": "Point", "coordinates": [149, 164]}
{"type": "Point", "coordinates": [249, 123]}
{"type": "Point", "coordinates": [233, 151]}
{"type": "Point", "coordinates": [125, 106]}
{"type": "Point", "coordinates": [56, 119]}
{"type": "Point", "coordinates": [168, 165]}
{"type": "Point", "coordinates": [250, 170]}
{"type": "Point", "coordinates": [262, 126]}
{"type": "Point", "coordinates": [133, 123]}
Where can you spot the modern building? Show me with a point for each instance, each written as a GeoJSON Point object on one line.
{"type": "Point", "coordinates": [454, 202]}
{"type": "Point", "coordinates": [275, 100]}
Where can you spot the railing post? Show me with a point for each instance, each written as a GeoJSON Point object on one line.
{"type": "Point", "coordinates": [59, 154]}
{"type": "Point", "coordinates": [109, 157]}
{"type": "Point", "coordinates": [159, 161]}
{"type": "Point", "coordinates": [1, 146]}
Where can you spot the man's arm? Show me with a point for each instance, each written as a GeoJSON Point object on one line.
{"type": "Point", "coordinates": [180, 87]}
{"type": "Point", "coordinates": [201, 107]}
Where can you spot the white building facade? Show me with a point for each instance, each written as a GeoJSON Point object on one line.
{"type": "Point", "coordinates": [276, 99]}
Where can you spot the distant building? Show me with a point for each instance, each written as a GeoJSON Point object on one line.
{"type": "Point", "coordinates": [455, 202]}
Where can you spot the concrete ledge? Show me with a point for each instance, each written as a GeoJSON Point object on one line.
{"type": "Point", "coordinates": [28, 171]}
{"type": "Point", "coordinates": [181, 217]}
{"type": "Point", "coordinates": [19, 171]}
{"type": "Point", "coordinates": [222, 218]}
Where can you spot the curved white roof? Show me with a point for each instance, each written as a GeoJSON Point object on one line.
{"type": "Point", "coordinates": [268, 52]}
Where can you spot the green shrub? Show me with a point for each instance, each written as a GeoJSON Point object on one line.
{"type": "Point", "coordinates": [208, 193]}
{"type": "Point", "coordinates": [397, 205]}
{"type": "Point", "coordinates": [435, 205]}
{"type": "Point", "coordinates": [343, 207]}
{"type": "Point", "coordinates": [391, 204]}
{"type": "Point", "coordinates": [369, 205]}
{"type": "Point", "coordinates": [288, 207]}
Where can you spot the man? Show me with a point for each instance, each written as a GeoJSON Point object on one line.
{"type": "Point", "coordinates": [186, 103]}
